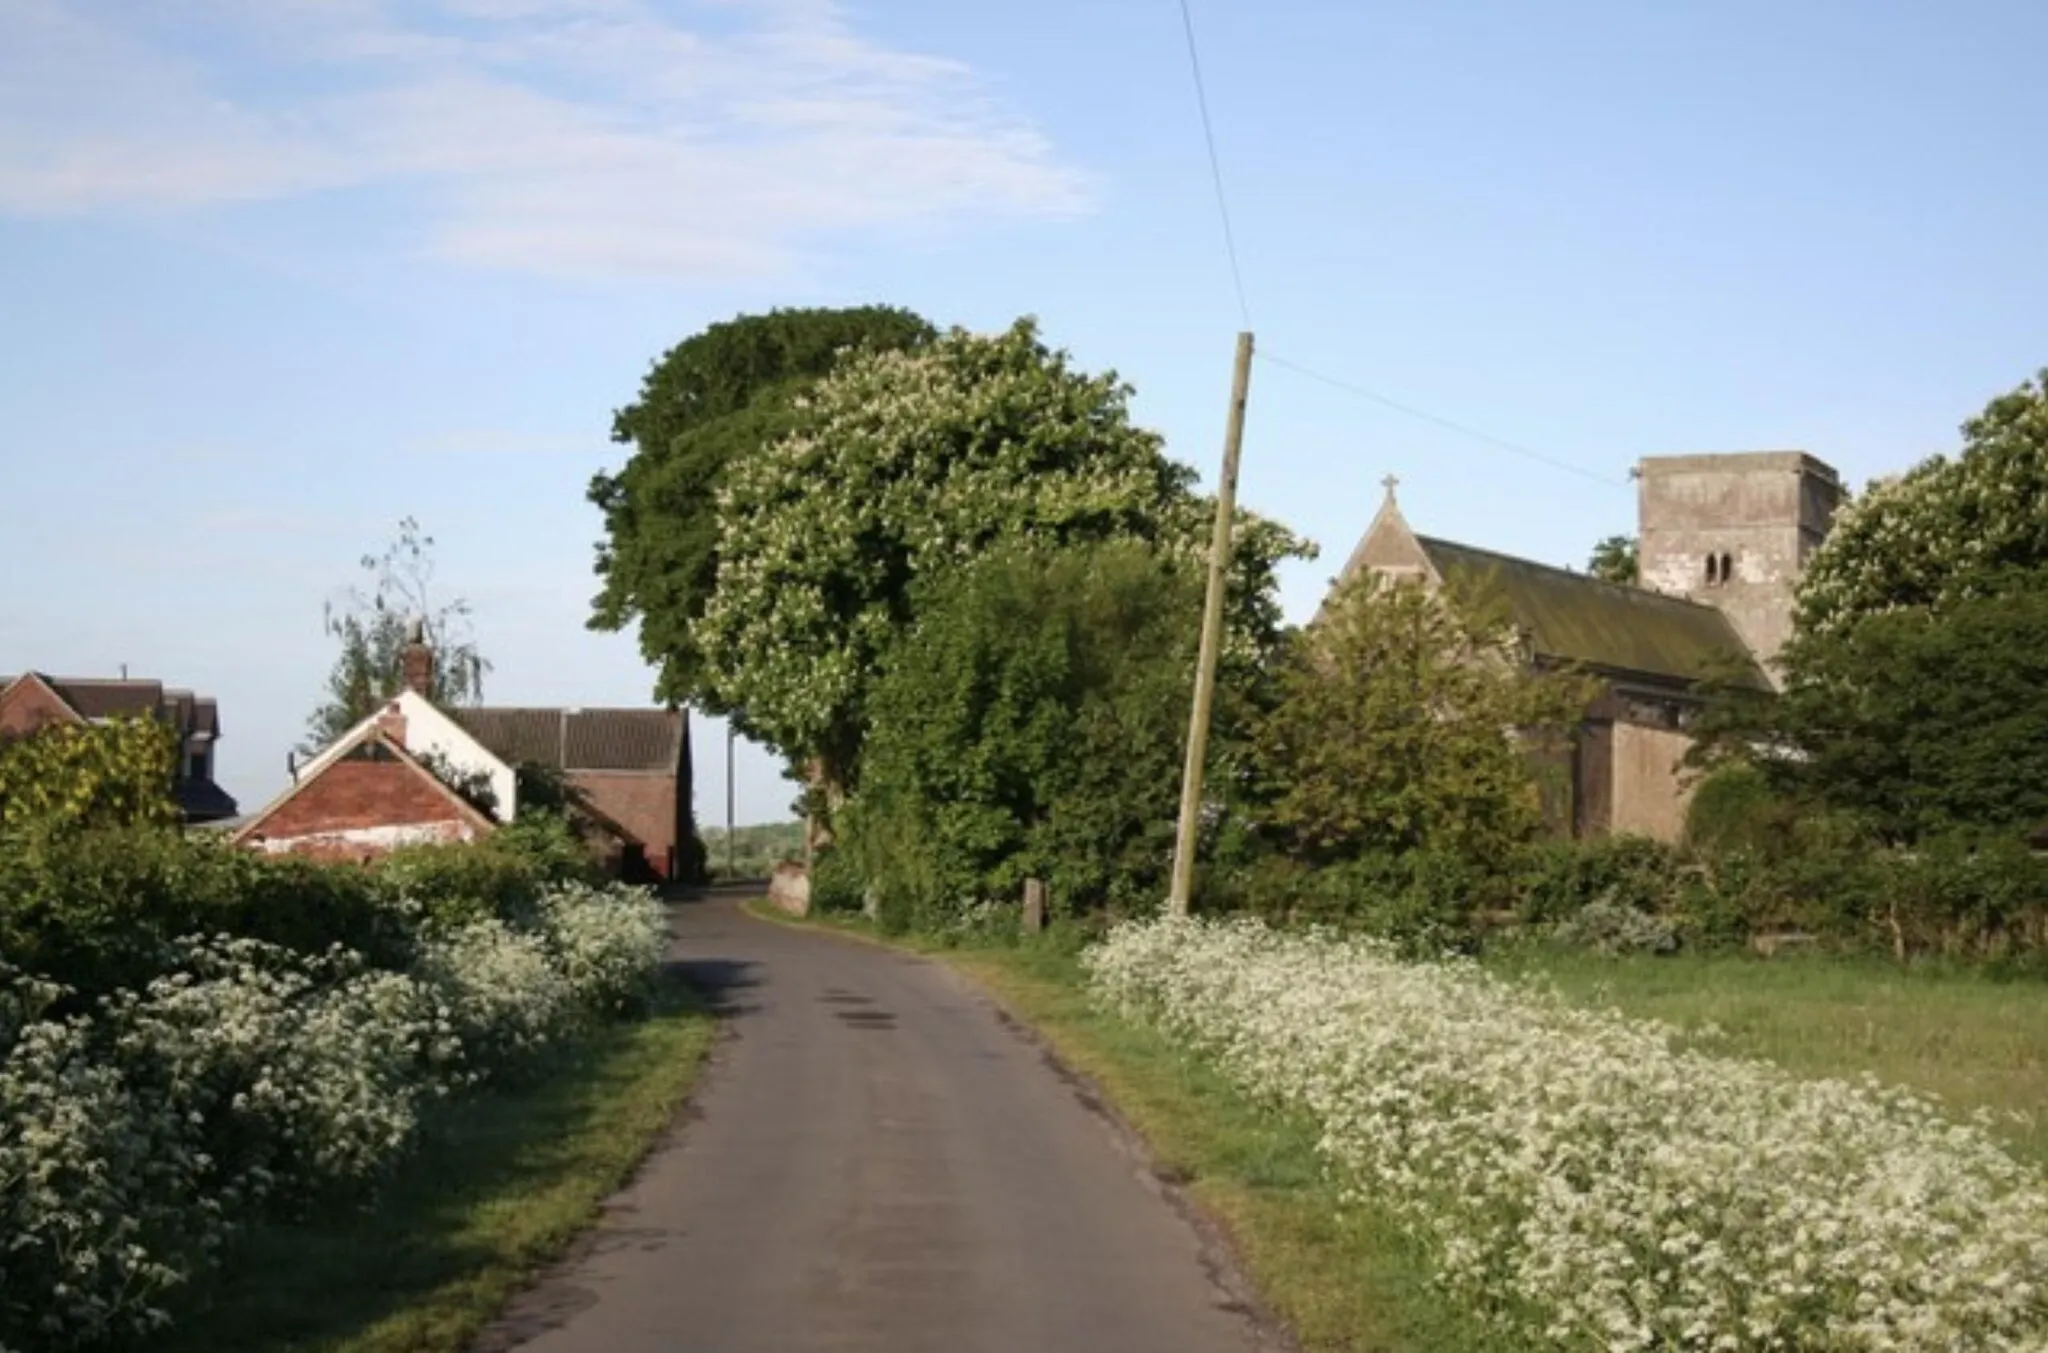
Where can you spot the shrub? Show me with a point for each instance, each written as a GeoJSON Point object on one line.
{"type": "Point", "coordinates": [97, 910]}
{"type": "Point", "coordinates": [1735, 807]}
{"type": "Point", "coordinates": [1558, 880]}
{"type": "Point", "coordinates": [836, 881]}
{"type": "Point", "coordinates": [1608, 926]}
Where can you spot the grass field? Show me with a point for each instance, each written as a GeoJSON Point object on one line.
{"type": "Point", "coordinates": [1975, 1041]}
{"type": "Point", "coordinates": [503, 1183]}
{"type": "Point", "coordinates": [754, 850]}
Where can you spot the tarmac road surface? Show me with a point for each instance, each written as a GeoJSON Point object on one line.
{"type": "Point", "coordinates": [877, 1159]}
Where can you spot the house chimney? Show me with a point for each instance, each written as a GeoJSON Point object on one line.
{"type": "Point", "coordinates": [391, 721]}
{"type": "Point", "coordinates": [416, 660]}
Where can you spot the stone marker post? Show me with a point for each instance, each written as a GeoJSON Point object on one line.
{"type": "Point", "coordinates": [1034, 906]}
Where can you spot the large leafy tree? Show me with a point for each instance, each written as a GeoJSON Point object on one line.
{"type": "Point", "coordinates": [1925, 721]}
{"type": "Point", "coordinates": [1916, 690]}
{"type": "Point", "coordinates": [1408, 720]}
{"type": "Point", "coordinates": [904, 465]}
{"type": "Point", "coordinates": [372, 626]}
{"type": "Point", "coordinates": [715, 398]}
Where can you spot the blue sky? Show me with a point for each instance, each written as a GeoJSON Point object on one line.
{"type": "Point", "coordinates": [276, 273]}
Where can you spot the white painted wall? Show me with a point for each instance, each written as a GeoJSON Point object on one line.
{"type": "Point", "coordinates": [384, 838]}
{"type": "Point", "coordinates": [429, 732]}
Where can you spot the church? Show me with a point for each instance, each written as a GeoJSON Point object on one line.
{"type": "Point", "coordinates": [1721, 543]}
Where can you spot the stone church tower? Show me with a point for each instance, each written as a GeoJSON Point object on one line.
{"type": "Point", "coordinates": [1734, 531]}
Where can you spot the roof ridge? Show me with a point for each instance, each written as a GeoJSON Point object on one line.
{"type": "Point", "coordinates": [1625, 589]}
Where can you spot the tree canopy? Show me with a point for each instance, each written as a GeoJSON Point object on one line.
{"type": "Point", "coordinates": [904, 464]}
{"type": "Point", "coordinates": [1925, 721]}
{"type": "Point", "coordinates": [1915, 683]}
{"type": "Point", "coordinates": [372, 627]}
{"type": "Point", "coordinates": [720, 396]}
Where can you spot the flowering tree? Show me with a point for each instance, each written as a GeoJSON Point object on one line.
{"type": "Point", "coordinates": [906, 464]}
{"type": "Point", "coordinates": [1913, 680]}
{"type": "Point", "coordinates": [717, 397]}
{"type": "Point", "coordinates": [1947, 528]}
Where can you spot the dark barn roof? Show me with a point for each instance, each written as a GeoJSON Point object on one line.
{"type": "Point", "coordinates": [1575, 617]}
{"type": "Point", "coordinates": [580, 739]}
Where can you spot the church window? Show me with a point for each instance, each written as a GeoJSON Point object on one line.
{"type": "Point", "coordinates": [1713, 569]}
{"type": "Point", "coordinates": [1727, 569]}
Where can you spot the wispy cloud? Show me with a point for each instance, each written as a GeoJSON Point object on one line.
{"type": "Point", "coordinates": [561, 136]}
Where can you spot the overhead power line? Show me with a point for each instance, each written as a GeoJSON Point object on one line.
{"type": "Point", "coordinates": [1187, 21]}
{"type": "Point", "coordinates": [1450, 425]}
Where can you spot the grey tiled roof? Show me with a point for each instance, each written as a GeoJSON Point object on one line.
{"type": "Point", "coordinates": [580, 739]}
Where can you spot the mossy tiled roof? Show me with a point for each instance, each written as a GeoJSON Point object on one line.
{"type": "Point", "coordinates": [1576, 617]}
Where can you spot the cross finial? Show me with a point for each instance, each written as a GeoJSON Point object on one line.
{"type": "Point", "coordinates": [1390, 483]}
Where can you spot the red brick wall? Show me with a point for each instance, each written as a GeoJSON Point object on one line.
{"type": "Point", "coordinates": [28, 705]}
{"type": "Point", "coordinates": [644, 804]}
{"type": "Point", "coordinates": [356, 795]}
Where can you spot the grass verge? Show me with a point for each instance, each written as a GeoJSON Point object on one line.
{"type": "Point", "coordinates": [1340, 1278]}
{"type": "Point", "coordinates": [502, 1183]}
{"type": "Point", "coordinates": [1973, 1040]}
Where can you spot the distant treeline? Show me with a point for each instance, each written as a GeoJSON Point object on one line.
{"type": "Point", "coordinates": [756, 850]}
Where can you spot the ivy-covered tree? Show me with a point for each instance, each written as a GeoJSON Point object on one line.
{"type": "Point", "coordinates": [1614, 560]}
{"type": "Point", "coordinates": [66, 776]}
{"type": "Point", "coordinates": [372, 627]}
{"type": "Point", "coordinates": [720, 396]}
{"type": "Point", "coordinates": [1949, 528]}
{"type": "Point", "coordinates": [1408, 720]}
{"type": "Point", "coordinates": [904, 465]}
{"type": "Point", "coordinates": [1031, 724]}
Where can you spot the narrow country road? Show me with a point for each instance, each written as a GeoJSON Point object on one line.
{"type": "Point", "coordinates": [876, 1160]}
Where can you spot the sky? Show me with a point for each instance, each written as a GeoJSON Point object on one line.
{"type": "Point", "coordinates": [277, 273]}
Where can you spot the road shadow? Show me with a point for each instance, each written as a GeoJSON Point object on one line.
{"type": "Point", "coordinates": [719, 982]}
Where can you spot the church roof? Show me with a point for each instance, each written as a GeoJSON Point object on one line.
{"type": "Point", "coordinates": [1575, 617]}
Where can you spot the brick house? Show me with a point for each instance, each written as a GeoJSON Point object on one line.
{"type": "Point", "coordinates": [629, 767]}
{"type": "Point", "coordinates": [632, 766]}
{"type": "Point", "coordinates": [33, 699]}
{"type": "Point", "coordinates": [368, 796]}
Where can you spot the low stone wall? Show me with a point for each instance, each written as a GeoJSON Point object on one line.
{"type": "Point", "coordinates": [789, 888]}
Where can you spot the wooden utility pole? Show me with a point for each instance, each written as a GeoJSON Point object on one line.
{"type": "Point", "coordinates": [1212, 637]}
{"type": "Point", "coordinates": [732, 735]}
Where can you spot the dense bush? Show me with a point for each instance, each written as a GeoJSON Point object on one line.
{"type": "Point", "coordinates": [139, 1133]}
{"type": "Point", "coordinates": [1823, 877]}
{"type": "Point", "coordinates": [99, 909]}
